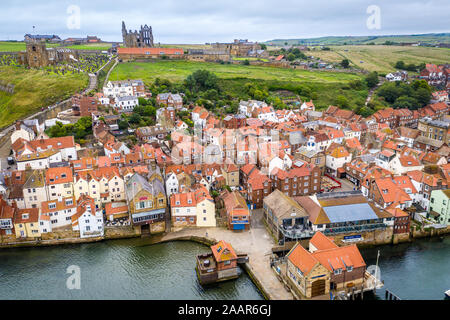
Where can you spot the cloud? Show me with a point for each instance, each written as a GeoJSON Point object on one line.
{"type": "Point", "coordinates": [188, 21]}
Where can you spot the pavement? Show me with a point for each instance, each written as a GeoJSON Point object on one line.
{"type": "Point", "coordinates": [256, 242]}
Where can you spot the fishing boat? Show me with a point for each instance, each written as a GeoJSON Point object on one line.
{"type": "Point", "coordinates": [447, 293]}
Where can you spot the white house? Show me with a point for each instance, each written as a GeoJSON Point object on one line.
{"type": "Point", "coordinates": [44, 224]}
{"type": "Point", "coordinates": [125, 88]}
{"type": "Point", "coordinates": [172, 184]}
{"type": "Point", "coordinates": [59, 211]}
{"type": "Point", "coordinates": [88, 221]}
{"type": "Point", "coordinates": [126, 103]}
{"type": "Point", "coordinates": [38, 160]}
{"type": "Point", "coordinates": [336, 157]}
{"type": "Point", "coordinates": [22, 131]}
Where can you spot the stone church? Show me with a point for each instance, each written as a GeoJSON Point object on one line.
{"type": "Point", "coordinates": [141, 39]}
{"type": "Point", "coordinates": [38, 55]}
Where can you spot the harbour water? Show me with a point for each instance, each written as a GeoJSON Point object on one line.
{"type": "Point", "coordinates": [133, 269]}
{"type": "Point", "coordinates": [413, 271]}
{"type": "Point", "coordinates": [119, 269]}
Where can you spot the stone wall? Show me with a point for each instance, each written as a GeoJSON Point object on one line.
{"type": "Point", "coordinates": [376, 237]}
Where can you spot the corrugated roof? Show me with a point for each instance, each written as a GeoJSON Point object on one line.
{"type": "Point", "coordinates": [352, 212]}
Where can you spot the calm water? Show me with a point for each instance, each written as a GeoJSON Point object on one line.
{"type": "Point", "coordinates": [121, 269]}
{"type": "Point", "coordinates": [419, 271]}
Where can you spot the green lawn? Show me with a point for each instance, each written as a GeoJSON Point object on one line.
{"type": "Point", "coordinates": [178, 70]}
{"type": "Point", "coordinates": [6, 46]}
{"type": "Point", "coordinates": [92, 46]}
{"type": "Point", "coordinates": [34, 89]}
{"type": "Point", "coordinates": [321, 86]}
{"type": "Point", "coordinates": [21, 46]}
{"type": "Point", "coordinates": [250, 59]}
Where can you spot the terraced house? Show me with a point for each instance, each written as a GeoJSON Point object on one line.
{"type": "Point", "coordinates": [60, 211]}
{"type": "Point", "coordinates": [196, 208]}
{"type": "Point", "coordinates": [26, 223]}
{"type": "Point", "coordinates": [34, 190]}
{"type": "Point", "coordinates": [147, 203]}
{"type": "Point", "coordinates": [59, 182]}
{"type": "Point", "coordinates": [104, 185]}
{"type": "Point", "coordinates": [440, 207]}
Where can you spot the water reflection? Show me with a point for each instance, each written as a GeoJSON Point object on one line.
{"type": "Point", "coordinates": [122, 269]}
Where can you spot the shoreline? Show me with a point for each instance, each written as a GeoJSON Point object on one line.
{"type": "Point", "coordinates": [173, 236]}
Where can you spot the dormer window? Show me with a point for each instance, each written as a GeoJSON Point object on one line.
{"type": "Point", "coordinates": [25, 216]}
{"type": "Point", "coordinates": [337, 271]}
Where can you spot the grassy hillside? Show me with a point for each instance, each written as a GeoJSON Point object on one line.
{"type": "Point", "coordinates": [321, 86]}
{"type": "Point", "coordinates": [431, 38]}
{"type": "Point", "coordinates": [34, 89]}
{"type": "Point", "coordinates": [383, 58]}
{"type": "Point", "coordinates": [179, 70]}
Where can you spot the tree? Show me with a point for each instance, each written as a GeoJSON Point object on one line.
{"type": "Point", "coordinates": [142, 101]}
{"type": "Point", "coordinates": [201, 80]}
{"type": "Point", "coordinates": [406, 102]}
{"type": "Point", "coordinates": [423, 96]}
{"type": "Point", "coordinates": [245, 62]}
{"type": "Point", "coordinates": [342, 101]}
{"type": "Point", "coordinates": [345, 63]}
{"type": "Point", "coordinates": [400, 65]}
{"type": "Point", "coordinates": [372, 79]}
{"type": "Point", "coordinates": [263, 46]}
{"type": "Point", "coordinates": [291, 57]}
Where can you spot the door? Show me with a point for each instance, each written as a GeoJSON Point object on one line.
{"type": "Point", "coordinates": [318, 288]}
{"type": "Point", "coordinates": [145, 229]}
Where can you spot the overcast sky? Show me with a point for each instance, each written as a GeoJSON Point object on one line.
{"type": "Point", "coordinates": [200, 21]}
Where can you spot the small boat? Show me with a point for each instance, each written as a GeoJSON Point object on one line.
{"type": "Point", "coordinates": [447, 293]}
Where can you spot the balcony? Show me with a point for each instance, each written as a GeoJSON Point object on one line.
{"type": "Point", "coordinates": [296, 232]}
{"type": "Point", "coordinates": [355, 228]}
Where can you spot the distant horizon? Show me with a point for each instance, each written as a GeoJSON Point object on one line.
{"type": "Point", "coordinates": [251, 40]}
{"type": "Point", "coordinates": [209, 21]}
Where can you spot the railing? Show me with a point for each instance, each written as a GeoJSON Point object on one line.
{"type": "Point", "coordinates": [296, 233]}
{"type": "Point", "coordinates": [346, 229]}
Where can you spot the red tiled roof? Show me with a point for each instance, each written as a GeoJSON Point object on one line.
{"type": "Point", "coordinates": [150, 51]}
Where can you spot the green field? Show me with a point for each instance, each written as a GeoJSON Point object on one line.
{"type": "Point", "coordinates": [92, 46]}
{"type": "Point", "coordinates": [21, 46]}
{"type": "Point", "coordinates": [431, 38]}
{"type": "Point", "coordinates": [6, 46]}
{"type": "Point", "coordinates": [179, 70]}
{"type": "Point", "coordinates": [321, 86]}
{"type": "Point", "coordinates": [34, 89]}
{"type": "Point", "coordinates": [382, 58]}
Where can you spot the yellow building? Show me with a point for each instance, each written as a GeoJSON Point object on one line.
{"type": "Point", "coordinates": [147, 203]}
{"type": "Point", "coordinates": [26, 223]}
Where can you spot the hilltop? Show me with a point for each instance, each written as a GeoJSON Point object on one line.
{"type": "Point", "coordinates": [428, 38]}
